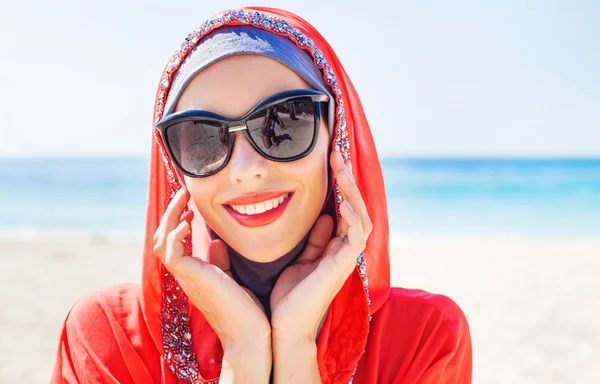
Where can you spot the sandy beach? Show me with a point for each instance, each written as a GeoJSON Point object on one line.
{"type": "Point", "coordinates": [532, 304]}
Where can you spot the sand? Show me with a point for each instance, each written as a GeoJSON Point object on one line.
{"type": "Point", "coordinates": [533, 304]}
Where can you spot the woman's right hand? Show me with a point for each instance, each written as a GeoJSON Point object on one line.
{"type": "Point", "coordinates": [232, 311]}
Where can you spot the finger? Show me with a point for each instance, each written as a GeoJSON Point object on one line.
{"type": "Point", "coordinates": [356, 235]}
{"type": "Point", "coordinates": [181, 231]}
{"type": "Point", "coordinates": [338, 167]}
{"type": "Point", "coordinates": [187, 216]}
{"type": "Point", "coordinates": [350, 191]}
{"type": "Point", "coordinates": [339, 264]}
{"type": "Point", "coordinates": [174, 247]}
{"type": "Point", "coordinates": [219, 256]}
{"type": "Point", "coordinates": [337, 162]}
{"type": "Point", "coordinates": [333, 270]}
{"type": "Point", "coordinates": [170, 220]}
{"type": "Point", "coordinates": [342, 227]}
{"type": "Point", "coordinates": [172, 215]}
{"type": "Point", "coordinates": [349, 166]}
{"type": "Point", "coordinates": [319, 237]}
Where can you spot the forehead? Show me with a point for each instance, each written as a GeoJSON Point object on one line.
{"type": "Point", "coordinates": [232, 86]}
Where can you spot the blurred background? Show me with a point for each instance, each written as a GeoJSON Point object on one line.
{"type": "Point", "coordinates": [487, 120]}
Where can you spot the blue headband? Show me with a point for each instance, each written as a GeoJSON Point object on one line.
{"type": "Point", "coordinates": [232, 40]}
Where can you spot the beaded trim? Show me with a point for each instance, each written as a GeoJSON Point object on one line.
{"type": "Point", "coordinates": [174, 318]}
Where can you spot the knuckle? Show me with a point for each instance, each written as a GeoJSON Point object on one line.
{"type": "Point", "coordinates": [351, 192]}
{"type": "Point", "coordinates": [361, 245]}
{"type": "Point", "coordinates": [158, 247]}
{"type": "Point", "coordinates": [344, 179]}
{"type": "Point", "coordinates": [169, 260]}
{"type": "Point", "coordinates": [352, 186]}
{"type": "Point", "coordinates": [172, 237]}
{"type": "Point", "coordinates": [350, 179]}
{"type": "Point", "coordinates": [356, 218]}
{"type": "Point", "coordinates": [369, 227]}
{"type": "Point", "coordinates": [168, 263]}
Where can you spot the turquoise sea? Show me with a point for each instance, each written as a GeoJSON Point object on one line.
{"type": "Point", "coordinates": [426, 197]}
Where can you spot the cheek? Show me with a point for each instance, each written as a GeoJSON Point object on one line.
{"type": "Point", "coordinates": [311, 174]}
{"type": "Point", "coordinates": [313, 170]}
{"type": "Point", "coordinates": [203, 192]}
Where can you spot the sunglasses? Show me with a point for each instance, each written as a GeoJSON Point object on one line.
{"type": "Point", "coordinates": [283, 127]}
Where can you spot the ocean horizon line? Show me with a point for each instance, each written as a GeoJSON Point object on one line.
{"type": "Point", "coordinates": [426, 196]}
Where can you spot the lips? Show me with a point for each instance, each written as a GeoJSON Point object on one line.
{"type": "Point", "coordinates": [256, 198]}
{"type": "Point", "coordinates": [258, 209]}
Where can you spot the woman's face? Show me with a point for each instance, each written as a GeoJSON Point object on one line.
{"type": "Point", "coordinates": [230, 88]}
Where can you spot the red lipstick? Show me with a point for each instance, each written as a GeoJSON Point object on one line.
{"type": "Point", "coordinates": [260, 219]}
{"type": "Point", "coordinates": [256, 198]}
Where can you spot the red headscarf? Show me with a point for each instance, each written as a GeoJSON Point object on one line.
{"type": "Point", "coordinates": [163, 337]}
{"type": "Point", "coordinates": [344, 334]}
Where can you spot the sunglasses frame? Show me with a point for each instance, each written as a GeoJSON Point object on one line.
{"type": "Point", "coordinates": [240, 124]}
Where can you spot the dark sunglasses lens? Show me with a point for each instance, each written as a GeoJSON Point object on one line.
{"type": "Point", "coordinates": [284, 130]}
{"type": "Point", "coordinates": [199, 147]}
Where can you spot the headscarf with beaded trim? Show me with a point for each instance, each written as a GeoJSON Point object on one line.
{"type": "Point", "coordinates": [345, 330]}
{"type": "Point", "coordinates": [371, 334]}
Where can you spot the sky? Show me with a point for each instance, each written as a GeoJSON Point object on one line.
{"type": "Point", "coordinates": [460, 78]}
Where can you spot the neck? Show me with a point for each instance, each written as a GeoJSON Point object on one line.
{"type": "Point", "coordinates": [260, 278]}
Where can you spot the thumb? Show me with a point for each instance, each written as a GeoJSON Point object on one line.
{"type": "Point", "coordinates": [319, 237]}
{"type": "Point", "coordinates": [218, 256]}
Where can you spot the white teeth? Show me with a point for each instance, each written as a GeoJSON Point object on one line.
{"type": "Point", "coordinates": [258, 208]}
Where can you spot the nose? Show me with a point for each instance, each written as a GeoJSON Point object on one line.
{"type": "Point", "coordinates": [246, 164]}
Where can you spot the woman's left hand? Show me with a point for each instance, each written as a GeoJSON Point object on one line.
{"type": "Point", "coordinates": [305, 289]}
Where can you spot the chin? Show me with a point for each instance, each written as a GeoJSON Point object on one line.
{"type": "Point", "coordinates": [267, 245]}
{"type": "Point", "coordinates": [274, 238]}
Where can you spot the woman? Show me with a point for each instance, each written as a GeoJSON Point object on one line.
{"type": "Point", "coordinates": [293, 285]}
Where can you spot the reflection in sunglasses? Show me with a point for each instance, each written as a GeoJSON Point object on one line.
{"type": "Point", "coordinates": [200, 142]}
{"type": "Point", "coordinates": [224, 134]}
{"type": "Point", "coordinates": [268, 129]}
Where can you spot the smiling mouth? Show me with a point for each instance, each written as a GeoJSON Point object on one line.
{"type": "Point", "coordinates": [260, 207]}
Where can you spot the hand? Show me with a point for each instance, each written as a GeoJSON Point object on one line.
{"type": "Point", "coordinates": [305, 289]}
{"type": "Point", "coordinates": [233, 312]}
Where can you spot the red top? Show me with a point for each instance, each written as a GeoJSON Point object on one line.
{"type": "Point", "coordinates": [415, 337]}
{"type": "Point", "coordinates": [150, 334]}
